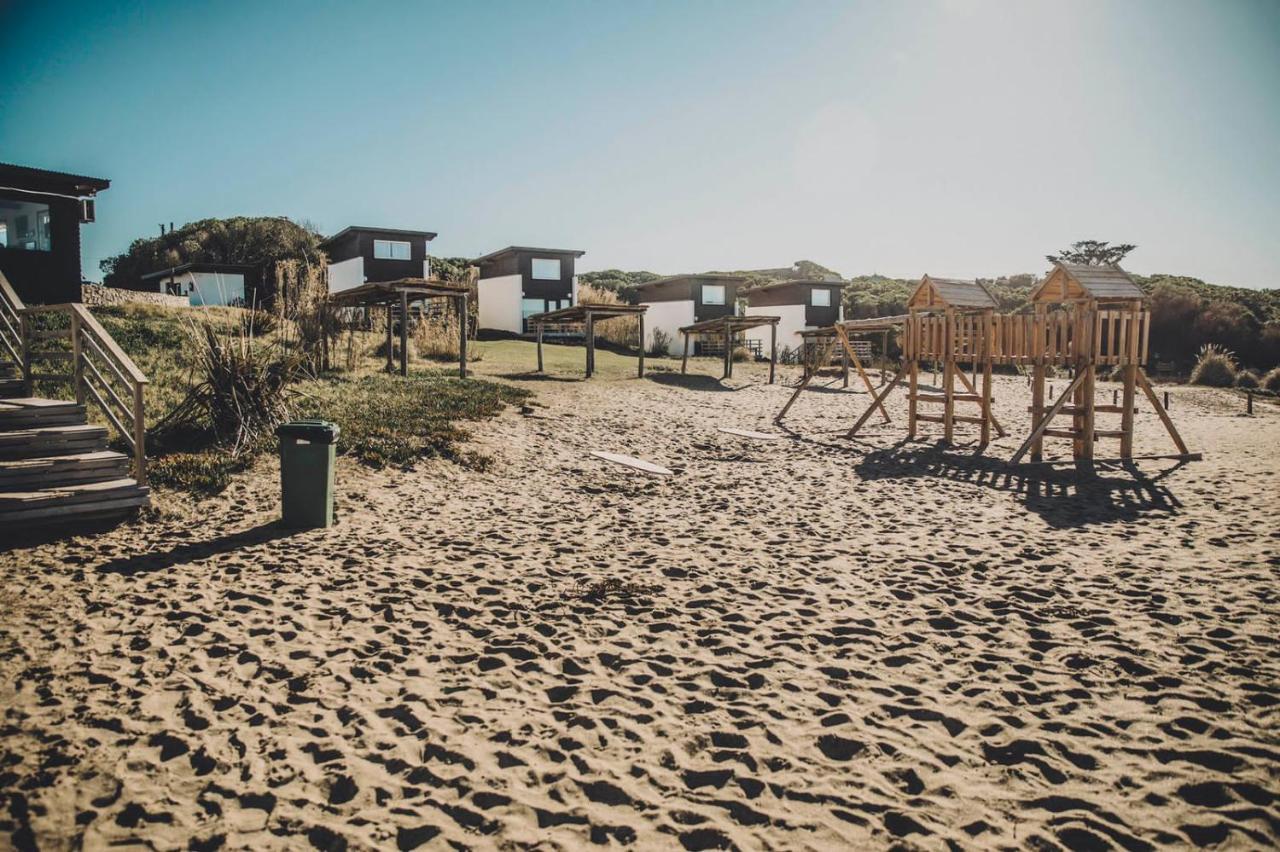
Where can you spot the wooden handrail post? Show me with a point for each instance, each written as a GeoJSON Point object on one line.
{"type": "Point", "coordinates": [139, 434]}
{"type": "Point", "coordinates": [27, 387]}
{"type": "Point", "coordinates": [77, 357]}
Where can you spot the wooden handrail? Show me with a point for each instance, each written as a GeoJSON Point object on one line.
{"type": "Point", "coordinates": [88, 336]}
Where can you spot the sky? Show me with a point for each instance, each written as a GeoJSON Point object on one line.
{"type": "Point", "coordinates": [951, 137]}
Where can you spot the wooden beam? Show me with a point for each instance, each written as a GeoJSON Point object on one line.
{"type": "Point", "coordinates": [1048, 418]}
{"type": "Point", "coordinates": [1164, 415]}
{"type": "Point", "coordinates": [591, 344]}
{"type": "Point", "coordinates": [641, 318]}
{"type": "Point", "coordinates": [977, 397]}
{"type": "Point", "coordinates": [773, 350]}
{"type": "Point", "coordinates": [539, 327]}
{"type": "Point", "coordinates": [404, 333]}
{"type": "Point", "coordinates": [949, 378]}
{"type": "Point", "coordinates": [728, 356]}
{"type": "Point", "coordinates": [390, 360]}
{"type": "Point", "coordinates": [879, 400]}
{"type": "Point", "coordinates": [866, 380]}
{"type": "Point", "coordinates": [462, 336]}
{"type": "Point", "coordinates": [804, 383]}
{"type": "Point", "coordinates": [684, 362]}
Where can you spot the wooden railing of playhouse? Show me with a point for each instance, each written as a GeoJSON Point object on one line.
{"type": "Point", "coordinates": [93, 363]}
{"type": "Point", "coordinates": [1101, 337]}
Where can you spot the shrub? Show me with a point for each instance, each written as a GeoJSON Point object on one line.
{"type": "Point", "coordinates": [205, 473]}
{"type": "Point", "coordinates": [659, 343]}
{"type": "Point", "coordinates": [1271, 381]}
{"type": "Point", "coordinates": [1247, 379]}
{"type": "Point", "coordinates": [620, 331]}
{"type": "Point", "coordinates": [1215, 367]}
{"type": "Point", "coordinates": [437, 338]}
{"type": "Point", "coordinates": [741, 354]}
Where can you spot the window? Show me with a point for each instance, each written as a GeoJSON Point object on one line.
{"type": "Point", "coordinates": [713, 294]}
{"type": "Point", "coordinates": [820, 298]}
{"type": "Point", "coordinates": [25, 226]}
{"type": "Point", "coordinates": [546, 269]}
{"type": "Point", "coordinates": [390, 250]}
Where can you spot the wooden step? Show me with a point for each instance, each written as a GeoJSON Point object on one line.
{"type": "Point", "coordinates": [69, 502]}
{"type": "Point", "coordinates": [11, 387]}
{"type": "Point", "coordinates": [48, 471]}
{"type": "Point", "coordinates": [33, 412]}
{"type": "Point", "coordinates": [52, 441]}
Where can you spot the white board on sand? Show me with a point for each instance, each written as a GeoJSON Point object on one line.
{"type": "Point", "coordinates": [628, 461]}
{"type": "Point", "coordinates": [747, 433]}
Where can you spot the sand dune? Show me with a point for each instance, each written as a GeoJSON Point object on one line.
{"type": "Point", "coordinates": [808, 643]}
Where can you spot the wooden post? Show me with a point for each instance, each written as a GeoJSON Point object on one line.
{"type": "Point", "coordinates": [404, 333]}
{"type": "Point", "coordinates": [77, 355]}
{"type": "Point", "coordinates": [1129, 375]}
{"type": "Point", "coordinates": [728, 354]}
{"type": "Point", "coordinates": [878, 401]}
{"type": "Point", "coordinates": [911, 358]}
{"type": "Point", "coordinates": [884, 357]}
{"type": "Point", "coordinates": [591, 344]}
{"type": "Point", "coordinates": [641, 373]}
{"type": "Point", "coordinates": [844, 365]}
{"type": "Point", "coordinates": [139, 434]}
{"type": "Point", "coordinates": [462, 336]}
{"type": "Point", "coordinates": [28, 388]}
{"type": "Point", "coordinates": [987, 332]}
{"type": "Point", "coordinates": [684, 362]}
{"type": "Point", "coordinates": [848, 353]}
{"type": "Point", "coordinates": [539, 327]}
{"type": "Point", "coordinates": [390, 362]}
{"type": "Point", "coordinates": [1145, 384]}
{"type": "Point", "coordinates": [949, 378]}
{"type": "Point", "coordinates": [1037, 377]}
{"type": "Point", "coordinates": [773, 350]}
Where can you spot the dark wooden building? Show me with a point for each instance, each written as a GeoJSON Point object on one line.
{"type": "Point", "coordinates": [683, 300]}
{"type": "Point", "coordinates": [40, 217]}
{"type": "Point", "coordinates": [358, 255]}
{"type": "Point", "coordinates": [518, 282]}
{"type": "Point", "coordinates": [800, 304]}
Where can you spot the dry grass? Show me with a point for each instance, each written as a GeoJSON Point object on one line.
{"type": "Point", "coordinates": [620, 331]}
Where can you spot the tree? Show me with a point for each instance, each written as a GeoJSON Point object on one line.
{"type": "Point", "coordinates": [1092, 252]}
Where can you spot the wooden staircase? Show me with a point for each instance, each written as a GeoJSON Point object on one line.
{"type": "Point", "coordinates": [56, 467]}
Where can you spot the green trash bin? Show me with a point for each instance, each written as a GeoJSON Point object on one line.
{"type": "Point", "coordinates": [306, 472]}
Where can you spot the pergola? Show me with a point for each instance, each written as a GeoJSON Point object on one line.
{"type": "Point", "coordinates": [402, 292]}
{"type": "Point", "coordinates": [729, 327]}
{"type": "Point", "coordinates": [587, 314]}
{"type": "Point", "coordinates": [824, 340]}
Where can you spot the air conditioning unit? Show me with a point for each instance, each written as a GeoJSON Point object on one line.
{"type": "Point", "coordinates": [87, 209]}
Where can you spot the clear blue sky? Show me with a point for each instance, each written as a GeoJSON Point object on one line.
{"type": "Point", "coordinates": [951, 137]}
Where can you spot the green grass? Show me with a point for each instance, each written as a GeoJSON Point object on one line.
{"type": "Point", "coordinates": [516, 358]}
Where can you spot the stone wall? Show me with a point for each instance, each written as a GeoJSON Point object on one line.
{"type": "Point", "coordinates": [95, 295]}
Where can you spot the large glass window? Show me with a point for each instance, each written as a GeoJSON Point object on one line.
{"type": "Point", "coordinates": [391, 250]}
{"type": "Point", "coordinates": [25, 225]}
{"type": "Point", "coordinates": [713, 294]}
{"type": "Point", "coordinates": [546, 268]}
{"type": "Point", "coordinates": [820, 297]}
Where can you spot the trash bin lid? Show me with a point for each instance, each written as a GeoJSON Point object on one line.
{"type": "Point", "coordinates": [315, 431]}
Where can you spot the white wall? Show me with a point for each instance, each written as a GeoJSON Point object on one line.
{"type": "Point", "coordinates": [206, 288]}
{"type": "Point", "coordinates": [669, 317]}
{"type": "Point", "coordinates": [789, 325]}
{"type": "Point", "coordinates": [426, 267]}
{"type": "Point", "coordinates": [346, 274]}
{"type": "Point", "coordinates": [499, 303]}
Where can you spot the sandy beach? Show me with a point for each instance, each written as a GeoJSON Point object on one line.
{"type": "Point", "coordinates": [804, 643]}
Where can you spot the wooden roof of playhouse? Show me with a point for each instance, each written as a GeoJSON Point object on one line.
{"type": "Point", "coordinates": [1074, 282]}
{"type": "Point", "coordinates": [938, 293]}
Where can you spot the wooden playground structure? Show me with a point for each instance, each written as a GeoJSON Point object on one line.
{"type": "Point", "coordinates": [1082, 318]}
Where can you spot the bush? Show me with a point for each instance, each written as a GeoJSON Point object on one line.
{"type": "Point", "coordinates": [437, 338]}
{"type": "Point", "coordinates": [620, 331]}
{"type": "Point", "coordinates": [1247, 379]}
{"type": "Point", "coordinates": [659, 343]}
{"type": "Point", "coordinates": [205, 473]}
{"type": "Point", "coordinates": [1271, 381]}
{"type": "Point", "coordinates": [1215, 367]}
{"type": "Point", "coordinates": [741, 354]}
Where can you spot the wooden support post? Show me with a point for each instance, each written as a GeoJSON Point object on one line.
{"type": "Point", "coordinates": [879, 402]}
{"type": "Point", "coordinates": [1037, 378]}
{"type": "Point", "coordinates": [539, 327]}
{"type": "Point", "coordinates": [804, 383]}
{"type": "Point", "coordinates": [844, 363]}
{"type": "Point", "coordinates": [987, 333]}
{"type": "Point", "coordinates": [1129, 375]}
{"type": "Point", "coordinates": [773, 350]}
{"type": "Point", "coordinates": [847, 352]}
{"type": "Point", "coordinates": [884, 357]}
{"type": "Point", "coordinates": [684, 361]}
{"type": "Point", "coordinates": [911, 358]}
{"type": "Point", "coordinates": [1044, 422]}
{"type": "Point", "coordinates": [404, 333]}
{"type": "Point", "coordinates": [949, 379]}
{"type": "Point", "coordinates": [462, 336]}
{"type": "Point", "coordinates": [139, 433]}
{"type": "Point", "coordinates": [390, 362]}
{"type": "Point", "coordinates": [591, 344]}
{"type": "Point", "coordinates": [1164, 415]}
{"type": "Point", "coordinates": [641, 318]}
{"type": "Point", "coordinates": [964, 380]}
{"type": "Point", "coordinates": [728, 355]}
{"type": "Point", "coordinates": [77, 355]}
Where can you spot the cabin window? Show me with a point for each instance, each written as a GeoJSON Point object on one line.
{"type": "Point", "coordinates": [546, 269]}
{"type": "Point", "coordinates": [391, 250]}
{"type": "Point", "coordinates": [820, 298]}
{"type": "Point", "coordinates": [713, 294]}
{"type": "Point", "coordinates": [25, 226]}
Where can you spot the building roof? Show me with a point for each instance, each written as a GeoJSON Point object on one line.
{"type": "Point", "coordinates": [526, 250]}
{"type": "Point", "coordinates": [1070, 281]}
{"type": "Point", "coordinates": [794, 282]}
{"type": "Point", "coordinates": [673, 279]}
{"type": "Point", "coordinates": [351, 229]}
{"type": "Point", "coordinates": [49, 182]}
{"type": "Point", "coordinates": [227, 268]}
{"type": "Point", "coordinates": [934, 292]}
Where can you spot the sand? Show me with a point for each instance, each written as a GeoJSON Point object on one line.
{"type": "Point", "coordinates": [808, 643]}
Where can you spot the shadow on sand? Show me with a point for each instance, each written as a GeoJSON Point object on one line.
{"type": "Point", "coordinates": [143, 563]}
{"type": "Point", "coordinates": [691, 381]}
{"type": "Point", "coordinates": [534, 376]}
{"type": "Point", "coordinates": [1065, 497]}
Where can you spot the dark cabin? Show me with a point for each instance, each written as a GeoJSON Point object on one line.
{"type": "Point", "coordinates": [358, 255]}
{"type": "Point", "coordinates": [40, 217]}
{"type": "Point", "coordinates": [820, 299]}
{"type": "Point", "coordinates": [519, 281]}
{"type": "Point", "coordinates": [713, 295]}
